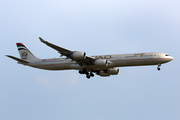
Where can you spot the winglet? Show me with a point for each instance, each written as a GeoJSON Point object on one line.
{"type": "Point", "coordinates": [42, 40]}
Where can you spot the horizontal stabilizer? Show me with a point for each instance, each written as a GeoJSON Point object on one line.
{"type": "Point", "coordinates": [17, 59]}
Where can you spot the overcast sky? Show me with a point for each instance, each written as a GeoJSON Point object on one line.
{"type": "Point", "coordinates": [97, 27]}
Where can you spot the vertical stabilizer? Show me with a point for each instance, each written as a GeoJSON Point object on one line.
{"type": "Point", "coordinates": [25, 53]}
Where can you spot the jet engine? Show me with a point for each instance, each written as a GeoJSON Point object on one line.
{"type": "Point", "coordinates": [78, 55]}
{"type": "Point", "coordinates": [108, 72]}
{"type": "Point", "coordinates": [112, 71]}
{"type": "Point", "coordinates": [101, 62]}
{"type": "Point", "coordinates": [103, 74]}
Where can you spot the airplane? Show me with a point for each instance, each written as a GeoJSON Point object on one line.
{"type": "Point", "coordinates": [102, 65]}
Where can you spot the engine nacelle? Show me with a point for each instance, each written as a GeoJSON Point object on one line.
{"type": "Point", "coordinates": [78, 55]}
{"type": "Point", "coordinates": [103, 74]}
{"type": "Point", "coordinates": [112, 71]}
{"type": "Point", "coordinates": [101, 62]}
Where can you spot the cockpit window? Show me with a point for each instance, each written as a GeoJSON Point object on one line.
{"type": "Point", "coordinates": [167, 55]}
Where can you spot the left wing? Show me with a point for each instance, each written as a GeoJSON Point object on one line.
{"type": "Point", "coordinates": [74, 55]}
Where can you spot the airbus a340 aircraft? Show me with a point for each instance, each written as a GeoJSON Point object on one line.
{"type": "Point", "coordinates": [103, 65]}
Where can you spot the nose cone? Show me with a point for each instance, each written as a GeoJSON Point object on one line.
{"type": "Point", "coordinates": [171, 58]}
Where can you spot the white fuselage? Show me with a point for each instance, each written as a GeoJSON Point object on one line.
{"type": "Point", "coordinates": [119, 60]}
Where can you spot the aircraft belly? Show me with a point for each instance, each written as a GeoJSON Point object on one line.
{"type": "Point", "coordinates": [95, 67]}
{"type": "Point", "coordinates": [122, 63]}
{"type": "Point", "coordinates": [53, 66]}
{"type": "Point", "coordinates": [75, 66]}
{"type": "Point", "coordinates": [61, 67]}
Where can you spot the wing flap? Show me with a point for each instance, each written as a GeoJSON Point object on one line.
{"type": "Point", "coordinates": [17, 59]}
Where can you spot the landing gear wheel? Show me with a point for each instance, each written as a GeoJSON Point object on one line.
{"type": "Point", "coordinates": [92, 75]}
{"type": "Point", "coordinates": [158, 68]}
{"type": "Point", "coordinates": [84, 71]}
{"type": "Point", "coordinates": [80, 72]}
{"type": "Point", "coordinates": [88, 76]}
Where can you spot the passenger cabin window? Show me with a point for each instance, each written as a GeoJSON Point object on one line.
{"type": "Point", "coordinates": [130, 56]}
{"type": "Point", "coordinates": [167, 55]}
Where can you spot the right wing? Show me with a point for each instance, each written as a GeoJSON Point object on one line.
{"type": "Point", "coordinates": [17, 59]}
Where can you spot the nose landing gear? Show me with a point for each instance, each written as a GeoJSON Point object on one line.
{"type": "Point", "coordinates": [158, 68]}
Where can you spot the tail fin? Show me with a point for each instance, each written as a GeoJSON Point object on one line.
{"type": "Point", "coordinates": [24, 53]}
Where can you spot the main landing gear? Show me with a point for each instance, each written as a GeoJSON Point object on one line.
{"type": "Point", "coordinates": [88, 74]}
{"type": "Point", "coordinates": [158, 68]}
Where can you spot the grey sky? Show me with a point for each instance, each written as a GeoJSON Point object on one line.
{"type": "Point", "coordinates": [96, 27]}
